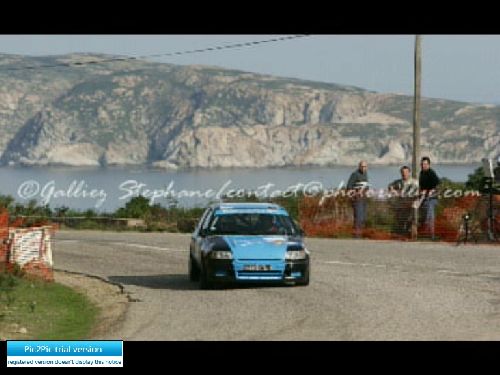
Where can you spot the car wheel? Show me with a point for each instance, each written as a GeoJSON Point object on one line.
{"type": "Point", "coordinates": [304, 282]}
{"type": "Point", "coordinates": [203, 280]}
{"type": "Point", "coordinates": [194, 272]}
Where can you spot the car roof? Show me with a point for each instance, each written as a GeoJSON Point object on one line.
{"type": "Point", "coordinates": [247, 206]}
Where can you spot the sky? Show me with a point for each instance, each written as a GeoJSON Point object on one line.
{"type": "Point", "coordinates": [456, 67]}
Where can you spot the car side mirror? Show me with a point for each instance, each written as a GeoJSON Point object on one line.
{"type": "Point", "coordinates": [203, 232]}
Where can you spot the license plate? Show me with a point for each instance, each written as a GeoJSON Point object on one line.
{"type": "Point", "coordinates": [257, 267]}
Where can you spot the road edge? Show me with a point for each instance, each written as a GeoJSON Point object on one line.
{"type": "Point", "coordinates": [111, 300]}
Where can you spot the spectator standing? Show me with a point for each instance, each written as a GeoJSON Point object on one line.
{"type": "Point", "coordinates": [428, 182]}
{"type": "Point", "coordinates": [357, 186]}
{"type": "Point", "coordinates": [497, 171]}
{"type": "Point", "coordinates": [403, 192]}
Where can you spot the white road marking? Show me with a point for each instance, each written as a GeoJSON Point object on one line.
{"type": "Point", "coordinates": [448, 271]}
{"type": "Point", "coordinates": [148, 247]}
{"type": "Point", "coordinates": [489, 275]}
{"type": "Point", "coordinates": [355, 264]}
{"type": "Point", "coordinates": [134, 245]}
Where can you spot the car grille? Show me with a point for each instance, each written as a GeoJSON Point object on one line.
{"type": "Point", "coordinates": [260, 260]}
{"type": "Point", "coordinates": [275, 273]}
{"type": "Point", "coordinates": [259, 275]}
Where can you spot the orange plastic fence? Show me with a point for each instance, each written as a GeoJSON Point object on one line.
{"type": "Point", "coordinates": [4, 235]}
{"type": "Point", "coordinates": [393, 218]}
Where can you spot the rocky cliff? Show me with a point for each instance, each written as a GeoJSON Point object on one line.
{"type": "Point", "coordinates": [169, 116]}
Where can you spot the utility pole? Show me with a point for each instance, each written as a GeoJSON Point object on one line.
{"type": "Point", "coordinates": [416, 107]}
{"type": "Point", "coordinates": [416, 129]}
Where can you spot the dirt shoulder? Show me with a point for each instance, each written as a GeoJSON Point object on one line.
{"type": "Point", "coordinates": [109, 298]}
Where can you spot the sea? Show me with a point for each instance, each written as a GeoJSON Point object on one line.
{"type": "Point", "coordinates": [107, 189]}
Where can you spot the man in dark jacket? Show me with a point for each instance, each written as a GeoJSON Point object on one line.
{"type": "Point", "coordinates": [357, 185]}
{"type": "Point", "coordinates": [497, 171]}
{"type": "Point", "coordinates": [428, 182]}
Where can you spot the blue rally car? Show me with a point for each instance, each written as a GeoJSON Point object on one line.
{"type": "Point", "coordinates": [247, 242]}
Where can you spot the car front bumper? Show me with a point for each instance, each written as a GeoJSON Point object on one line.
{"type": "Point", "coordinates": [230, 271]}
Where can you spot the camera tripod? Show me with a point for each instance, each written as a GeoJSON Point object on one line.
{"type": "Point", "coordinates": [465, 230]}
{"type": "Point", "coordinates": [473, 222]}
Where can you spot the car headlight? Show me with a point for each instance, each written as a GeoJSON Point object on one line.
{"type": "Point", "coordinates": [221, 254]}
{"type": "Point", "coordinates": [296, 254]}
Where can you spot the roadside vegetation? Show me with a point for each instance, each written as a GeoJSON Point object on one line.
{"type": "Point", "coordinates": [35, 309]}
{"type": "Point", "coordinates": [331, 217]}
{"type": "Point", "coordinates": [152, 218]}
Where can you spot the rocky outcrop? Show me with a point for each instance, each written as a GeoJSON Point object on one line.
{"type": "Point", "coordinates": [167, 116]}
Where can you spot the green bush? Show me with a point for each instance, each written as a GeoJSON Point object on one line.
{"type": "Point", "coordinates": [137, 207]}
{"type": "Point", "coordinates": [186, 225]}
{"type": "Point", "coordinates": [446, 183]}
{"type": "Point", "coordinates": [475, 180]}
{"type": "Point", "coordinates": [89, 224]}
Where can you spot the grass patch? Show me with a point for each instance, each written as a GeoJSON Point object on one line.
{"type": "Point", "coordinates": [31, 309]}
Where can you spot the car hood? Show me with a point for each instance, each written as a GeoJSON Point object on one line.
{"type": "Point", "coordinates": [258, 247]}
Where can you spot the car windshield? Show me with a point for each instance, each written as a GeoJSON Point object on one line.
{"type": "Point", "coordinates": [252, 224]}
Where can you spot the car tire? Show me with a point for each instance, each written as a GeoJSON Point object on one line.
{"type": "Point", "coordinates": [194, 272]}
{"type": "Point", "coordinates": [203, 280]}
{"type": "Point", "coordinates": [304, 282]}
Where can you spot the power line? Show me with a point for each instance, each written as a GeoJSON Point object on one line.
{"type": "Point", "coordinates": [178, 53]}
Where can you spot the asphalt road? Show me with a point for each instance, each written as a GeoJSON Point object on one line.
{"type": "Point", "coordinates": [360, 290]}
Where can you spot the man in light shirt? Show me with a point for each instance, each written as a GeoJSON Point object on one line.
{"type": "Point", "coordinates": [404, 191]}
